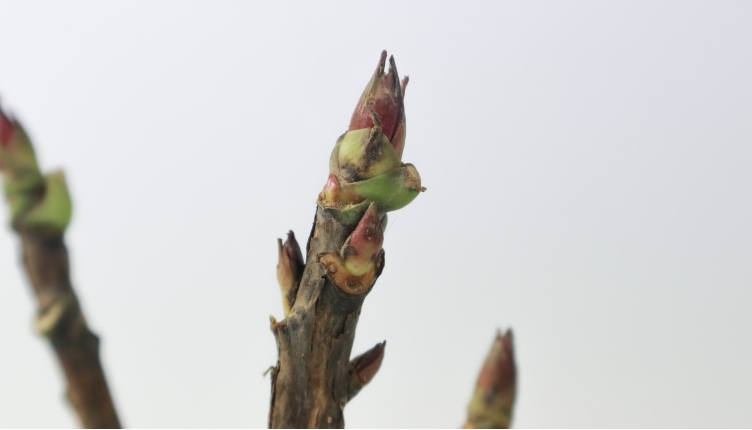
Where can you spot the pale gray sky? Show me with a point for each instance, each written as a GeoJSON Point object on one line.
{"type": "Point", "coordinates": [588, 168]}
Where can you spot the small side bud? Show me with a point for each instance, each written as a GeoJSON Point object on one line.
{"type": "Point", "coordinates": [289, 269]}
{"type": "Point", "coordinates": [493, 401]}
{"type": "Point", "coordinates": [363, 368]}
{"type": "Point", "coordinates": [362, 248]}
{"type": "Point", "coordinates": [331, 189]}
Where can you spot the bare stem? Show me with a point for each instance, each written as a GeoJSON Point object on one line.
{"type": "Point", "coordinates": [62, 322]}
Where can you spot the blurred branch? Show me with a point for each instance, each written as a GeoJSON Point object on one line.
{"type": "Point", "coordinates": [41, 209]}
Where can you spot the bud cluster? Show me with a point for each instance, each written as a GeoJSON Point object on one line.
{"type": "Point", "coordinates": [366, 163]}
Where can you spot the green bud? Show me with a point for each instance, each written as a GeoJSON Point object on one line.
{"type": "Point", "coordinates": [53, 212]}
{"type": "Point", "coordinates": [364, 154]}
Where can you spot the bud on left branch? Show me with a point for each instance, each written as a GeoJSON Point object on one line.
{"type": "Point", "coordinates": [37, 202]}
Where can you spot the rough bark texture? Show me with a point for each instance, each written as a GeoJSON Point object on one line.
{"type": "Point", "coordinates": [311, 379]}
{"type": "Point", "coordinates": [61, 321]}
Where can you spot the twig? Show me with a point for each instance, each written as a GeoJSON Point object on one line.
{"type": "Point", "coordinates": [314, 378]}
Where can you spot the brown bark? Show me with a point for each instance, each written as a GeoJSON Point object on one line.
{"type": "Point", "coordinates": [311, 380]}
{"type": "Point", "coordinates": [60, 319]}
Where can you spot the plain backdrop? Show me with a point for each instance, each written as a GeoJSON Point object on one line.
{"type": "Point", "coordinates": [588, 164]}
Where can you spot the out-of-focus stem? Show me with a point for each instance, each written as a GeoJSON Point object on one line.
{"type": "Point", "coordinates": [61, 320]}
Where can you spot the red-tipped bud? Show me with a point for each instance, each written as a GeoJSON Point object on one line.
{"type": "Point", "coordinates": [6, 129]}
{"type": "Point", "coordinates": [493, 401]}
{"type": "Point", "coordinates": [331, 189]}
{"type": "Point", "coordinates": [366, 162]}
{"type": "Point", "coordinates": [383, 96]}
{"type": "Point", "coordinates": [17, 159]}
{"type": "Point", "coordinates": [362, 248]}
{"type": "Point", "coordinates": [499, 371]}
{"type": "Point", "coordinates": [289, 269]}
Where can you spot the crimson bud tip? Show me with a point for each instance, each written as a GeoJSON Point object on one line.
{"type": "Point", "coordinates": [383, 95]}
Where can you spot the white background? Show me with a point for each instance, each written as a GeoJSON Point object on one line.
{"type": "Point", "coordinates": [588, 167]}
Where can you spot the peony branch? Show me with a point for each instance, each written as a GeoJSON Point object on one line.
{"type": "Point", "coordinates": [314, 377]}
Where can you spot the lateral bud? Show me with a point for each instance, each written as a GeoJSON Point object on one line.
{"type": "Point", "coordinates": [493, 400]}
{"type": "Point", "coordinates": [355, 268]}
{"type": "Point", "coordinates": [363, 368]}
{"type": "Point", "coordinates": [289, 269]}
{"type": "Point", "coordinates": [363, 246]}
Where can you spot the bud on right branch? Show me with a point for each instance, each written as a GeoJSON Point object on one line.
{"type": "Point", "coordinates": [493, 400]}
